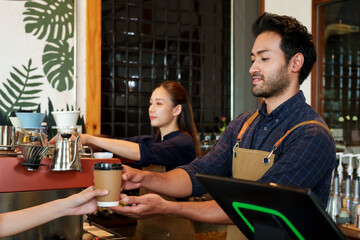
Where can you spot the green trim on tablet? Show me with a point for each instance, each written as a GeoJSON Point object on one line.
{"type": "Point", "coordinates": [238, 205]}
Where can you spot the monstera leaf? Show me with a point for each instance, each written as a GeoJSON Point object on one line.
{"type": "Point", "coordinates": [19, 91]}
{"type": "Point", "coordinates": [58, 65]}
{"type": "Point", "coordinates": [52, 19]}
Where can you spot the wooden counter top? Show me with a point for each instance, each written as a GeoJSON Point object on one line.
{"type": "Point", "coordinates": [16, 178]}
{"type": "Point", "coordinates": [350, 231]}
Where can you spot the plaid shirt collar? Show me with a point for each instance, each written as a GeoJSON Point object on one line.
{"type": "Point", "coordinates": [290, 106]}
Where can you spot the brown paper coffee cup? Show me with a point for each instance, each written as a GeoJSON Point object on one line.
{"type": "Point", "coordinates": [108, 176]}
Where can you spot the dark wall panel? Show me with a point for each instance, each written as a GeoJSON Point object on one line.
{"type": "Point", "coordinates": [146, 42]}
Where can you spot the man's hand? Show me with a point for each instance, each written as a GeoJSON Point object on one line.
{"type": "Point", "coordinates": [132, 178]}
{"type": "Point", "coordinates": [151, 204]}
{"type": "Point", "coordinates": [142, 207]}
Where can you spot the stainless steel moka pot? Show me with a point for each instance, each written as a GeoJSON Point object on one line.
{"type": "Point", "coordinates": [66, 155]}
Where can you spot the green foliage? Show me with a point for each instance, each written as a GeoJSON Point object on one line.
{"type": "Point", "coordinates": [21, 90]}
{"type": "Point", "coordinates": [50, 121]}
{"type": "Point", "coordinates": [4, 119]}
{"type": "Point", "coordinates": [52, 19]}
{"type": "Point", "coordinates": [58, 65]}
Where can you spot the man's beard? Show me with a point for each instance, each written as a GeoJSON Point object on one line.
{"type": "Point", "coordinates": [272, 86]}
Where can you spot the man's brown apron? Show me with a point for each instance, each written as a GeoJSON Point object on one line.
{"type": "Point", "coordinates": [251, 164]}
{"type": "Point", "coordinates": [163, 227]}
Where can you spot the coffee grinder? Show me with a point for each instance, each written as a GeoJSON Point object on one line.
{"type": "Point", "coordinates": [66, 155]}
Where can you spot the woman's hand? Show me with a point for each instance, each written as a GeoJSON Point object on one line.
{"type": "Point", "coordinates": [83, 202]}
{"type": "Point", "coordinates": [53, 140]}
{"type": "Point", "coordinates": [77, 204]}
{"type": "Point", "coordinates": [84, 138]}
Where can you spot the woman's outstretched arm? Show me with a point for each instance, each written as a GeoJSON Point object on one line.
{"type": "Point", "coordinates": [78, 204]}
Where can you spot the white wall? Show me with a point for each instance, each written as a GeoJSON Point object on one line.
{"type": "Point", "coordinates": [301, 10]}
{"type": "Point", "coordinates": [81, 57]}
{"type": "Point", "coordinates": [17, 47]}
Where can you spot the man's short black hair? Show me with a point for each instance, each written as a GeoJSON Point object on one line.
{"type": "Point", "coordinates": [295, 39]}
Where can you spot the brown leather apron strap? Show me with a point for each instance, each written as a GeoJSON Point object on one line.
{"type": "Point", "coordinates": [301, 124]}
{"type": "Point", "coordinates": [247, 124]}
{"type": "Point", "coordinates": [253, 117]}
{"type": "Point", "coordinates": [243, 129]}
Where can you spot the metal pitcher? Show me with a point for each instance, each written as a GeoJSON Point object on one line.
{"type": "Point", "coordinates": [6, 137]}
{"type": "Point", "coordinates": [66, 155]}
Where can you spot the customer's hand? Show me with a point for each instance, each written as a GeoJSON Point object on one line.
{"type": "Point", "coordinates": [83, 202]}
{"type": "Point", "coordinates": [142, 207]}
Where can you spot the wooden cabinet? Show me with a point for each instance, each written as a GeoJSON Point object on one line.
{"type": "Point", "coordinates": [336, 75]}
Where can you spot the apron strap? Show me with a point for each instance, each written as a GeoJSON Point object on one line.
{"type": "Point", "coordinates": [298, 125]}
{"type": "Point", "coordinates": [252, 118]}
{"type": "Point", "coordinates": [247, 124]}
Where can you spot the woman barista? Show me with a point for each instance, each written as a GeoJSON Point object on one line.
{"type": "Point", "coordinates": [174, 144]}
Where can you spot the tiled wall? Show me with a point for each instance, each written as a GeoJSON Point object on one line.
{"type": "Point", "coordinates": [145, 42]}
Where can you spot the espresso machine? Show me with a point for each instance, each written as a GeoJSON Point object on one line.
{"type": "Point", "coordinates": [66, 155]}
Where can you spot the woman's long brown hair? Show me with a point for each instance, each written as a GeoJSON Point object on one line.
{"type": "Point", "coordinates": [186, 119]}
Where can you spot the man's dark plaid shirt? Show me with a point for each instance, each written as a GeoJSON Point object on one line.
{"type": "Point", "coordinates": [305, 158]}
